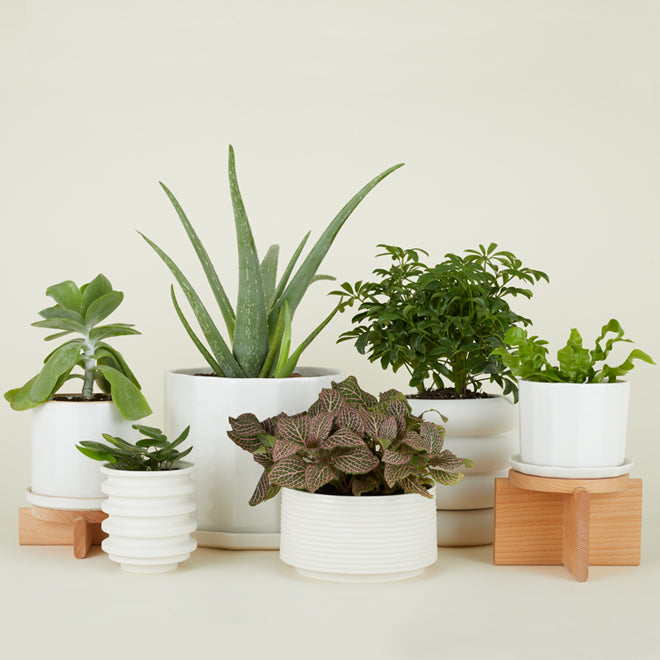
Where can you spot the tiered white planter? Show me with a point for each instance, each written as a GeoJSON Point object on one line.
{"type": "Point", "coordinates": [572, 424]}
{"type": "Point", "coordinates": [485, 431]}
{"type": "Point", "coordinates": [62, 478]}
{"type": "Point", "coordinates": [226, 475]}
{"type": "Point", "coordinates": [150, 518]}
{"type": "Point", "coordinates": [358, 539]}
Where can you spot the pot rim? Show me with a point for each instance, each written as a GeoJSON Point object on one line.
{"type": "Point", "coordinates": [185, 468]}
{"type": "Point", "coordinates": [619, 382]}
{"type": "Point", "coordinates": [319, 372]}
{"type": "Point", "coordinates": [354, 498]}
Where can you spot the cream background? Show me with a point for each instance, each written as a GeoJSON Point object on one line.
{"type": "Point", "coordinates": [532, 124]}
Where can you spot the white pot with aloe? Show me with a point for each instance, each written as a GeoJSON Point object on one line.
{"type": "Point", "coordinates": [252, 367]}
{"type": "Point", "coordinates": [150, 499]}
{"type": "Point", "coordinates": [573, 414]}
{"type": "Point", "coordinates": [60, 477]}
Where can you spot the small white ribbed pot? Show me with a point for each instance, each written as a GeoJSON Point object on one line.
{"type": "Point", "coordinates": [150, 518]}
{"type": "Point", "coordinates": [340, 538]}
{"type": "Point", "coordinates": [573, 424]}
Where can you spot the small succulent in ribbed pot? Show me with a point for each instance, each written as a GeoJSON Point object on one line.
{"type": "Point", "coordinates": [349, 442]}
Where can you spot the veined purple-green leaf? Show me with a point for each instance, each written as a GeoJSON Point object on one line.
{"type": "Point", "coordinates": [395, 473]}
{"type": "Point", "coordinates": [246, 425]}
{"type": "Point", "coordinates": [289, 473]}
{"type": "Point", "coordinates": [446, 478]}
{"type": "Point", "coordinates": [284, 448]}
{"type": "Point", "coordinates": [343, 437]}
{"type": "Point", "coordinates": [225, 306]}
{"type": "Point", "coordinates": [261, 490]}
{"type": "Point", "coordinates": [356, 461]}
{"type": "Point", "coordinates": [317, 476]}
{"type": "Point", "coordinates": [433, 435]}
{"type": "Point", "coordinates": [223, 355]}
{"type": "Point", "coordinates": [251, 330]}
{"type": "Point", "coordinates": [294, 429]}
{"type": "Point", "coordinates": [59, 363]}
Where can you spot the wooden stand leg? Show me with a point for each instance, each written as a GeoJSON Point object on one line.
{"type": "Point", "coordinates": [575, 550]}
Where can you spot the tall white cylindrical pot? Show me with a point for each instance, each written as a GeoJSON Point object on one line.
{"type": "Point", "coordinates": [484, 430]}
{"type": "Point", "coordinates": [573, 424]}
{"type": "Point", "coordinates": [150, 518]}
{"type": "Point", "coordinates": [227, 475]}
{"type": "Point", "coordinates": [341, 538]}
{"type": "Point", "coordinates": [62, 477]}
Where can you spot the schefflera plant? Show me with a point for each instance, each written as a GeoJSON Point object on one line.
{"type": "Point", "coordinates": [80, 310]}
{"type": "Point", "coordinates": [348, 443]}
{"type": "Point", "coordinates": [259, 329]}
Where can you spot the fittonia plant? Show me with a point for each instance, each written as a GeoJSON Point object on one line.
{"type": "Point", "coordinates": [79, 310]}
{"type": "Point", "coordinates": [259, 329]}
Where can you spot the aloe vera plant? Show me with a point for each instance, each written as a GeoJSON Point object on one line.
{"type": "Point", "coordinates": [259, 329]}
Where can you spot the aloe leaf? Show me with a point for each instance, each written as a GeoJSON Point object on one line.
{"type": "Point", "coordinates": [291, 363]}
{"type": "Point", "coordinates": [218, 290]}
{"type": "Point", "coordinates": [128, 399]}
{"type": "Point", "coordinates": [59, 364]}
{"type": "Point", "coordinates": [98, 287]}
{"type": "Point", "coordinates": [269, 273]}
{"type": "Point", "coordinates": [274, 342]}
{"type": "Point", "coordinates": [285, 343]}
{"type": "Point", "coordinates": [319, 278]}
{"type": "Point", "coordinates": [66, 294]}
{"type": "Point", "coordinates": [102, 307]}
{"type": "Point", "coordinates": [217, 369]}
{"type": "Point", "coordinates": [284, 280]}
{"type": "Point", "coordinates": [223, 355]}
{"type": "Point", "coordinates": [303, 277]}
{"type": "Point", "coordinates": [251, 331]}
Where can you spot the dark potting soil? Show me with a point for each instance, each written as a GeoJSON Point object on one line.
{"type": "Point", "coordinates": [99, 396]}
{"type": "Point", "coordinates": [448, 393]}
{"type": "Point", "coordinates": [216, 375]}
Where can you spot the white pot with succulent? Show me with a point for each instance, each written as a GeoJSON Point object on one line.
{"type": "Point", "coordinates": [573, 415]}
{"type": "Point", "coordinates": [61, 478]}
{"type": "Point", "coordinates": [358, 475]}
{"type": "Point", "coordinates": [254, 369]}
{"type": "Point", "coordinates": [441, 323]}
{"type": "Point", "coordinates": [150, 500]}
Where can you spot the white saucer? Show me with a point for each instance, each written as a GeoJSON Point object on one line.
{"type": "Point", "coordinates": [570, 472]}
{"type": "Point", "coordinates": [69, 503]}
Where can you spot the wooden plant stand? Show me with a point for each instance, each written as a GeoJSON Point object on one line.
{"type": "Point", "coordinates": [574, 522]}
{"type": "Point", "coordinates": [81, 529]}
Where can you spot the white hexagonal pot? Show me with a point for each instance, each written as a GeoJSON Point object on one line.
{"type": "Point", "coordinates": [341, 538]}
{"type": "Point", "coordinates": [150, 518]}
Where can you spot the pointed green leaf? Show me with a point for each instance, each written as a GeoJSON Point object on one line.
{"type": "Point", "coordinates": [273, 346]}
{"type": "Point", "coordinates": [98, 287]}
{"type": "Point", "coordinates": [59, 364]}
{"type": "Point", "coordinates": [285, 344]}
{"type": "Point", "coordinates": [221, 298]}
{"type": "Point", "coordinates": [269, 273]}
{"type": "Point", "coordinates": [66, 294]}
{"type": "Point", "coordinates": [284, 280]}
{"type": "Point", "coordinates": [128, 399]}
{"type": "Point", "coordinates": [102, 307]}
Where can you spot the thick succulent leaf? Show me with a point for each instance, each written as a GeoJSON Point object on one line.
{"type": "Point", "coordinates": [363, 484]}
{"type": "Point", "coordinates": [105, 349]}
{"type": "Point", "coordinates": [66, 294]}
{"type": "Point", "coordinates": [350, 418]}
{"type": "Point", "coordinates": [98, 287]}
{"type": "Point", "coordinates": [209, 270]}
{"type": "Point", "coordinates": [295, 291]}
{"type": "Point", "coordinates": [434, 436]}
{"type": "Point", "coordinates": [284, 448]}
{"type": "Point", "coordinates": [293, 429]}
{"type": "Point", "coordinates": [317, 476]}
{"type": "Point", "coordinates": [261, 490]}
{"type": "Point", "coordinates": [102, 307]}
{"type": "Point", "coordinates": [59, 312]}
{"type": "Point", "coordinates": [446, 478]}
{"type": "Point", "coordinates": [60, 324]}
{"type": "Point", "coordinates": [251, 331]}
{"type": "Point", "coordinates": [395, 473]}
{"type": "Point", "coordinates": [289, 473]}
{"type": "Point", "coordinates": [128, 399]}
{"type": "Point", "coordinates": [342, 438]}
{"type": "Point", "coordinates": [59, 364]}
{"type": "Point", "coordinates": [211, 361]}
{"type": "Point", "coordinates": [19, 397]}
{"type": "Point", "coordinates": [358, 461]}
{"type": "Point", "coordinates": [57, 335]}
{"type": "Point", "coordinates": [246, 426]}
{"type": "Point", "coordinates": [113, 330]}
{"type": "Point", "coordinates": [395, 458]}
{"type": "Point", "coordinates": [224, 357]}
{"type": "Point", "coordinates": [269, 273]}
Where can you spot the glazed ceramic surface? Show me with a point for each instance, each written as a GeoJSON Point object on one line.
{"type": "Point", "coordinates": [572, 424]}
{"type": "Point", "coordinates": [226, 475]}
{"type": "Point", "coordinates": [358, 539]}
{"type": "Point", "coordinates": [58, 470]}
{"type": "Point", "coordinates": [150, 518]}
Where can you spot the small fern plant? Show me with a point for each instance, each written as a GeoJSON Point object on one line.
{"type": "Point", "coordinates": [348, 443]}
{"type": "Point", "coordinates": [152, 453]}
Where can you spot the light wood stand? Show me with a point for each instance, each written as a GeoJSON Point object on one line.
{"type": "Point", "coordinates": [81, 529]}
{"type": "Point", "coordinates": [574, 522]}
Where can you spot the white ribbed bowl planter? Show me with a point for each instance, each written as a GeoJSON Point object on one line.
{"type": "Point", "coordinates": [61, 477]}
{"type": "Point", "coordinates": [150, 518]}
{"type": "Point", "coordinates": [226, 475]}
{"type": "Point", "coordinates": [358, 539]}
{"type": "Point", "coordinates": [573, 424]}
{"type": "Point", "coordinates": [485, 431]}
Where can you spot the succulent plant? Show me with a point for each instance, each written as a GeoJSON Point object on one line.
{"type": "Point", "coordinates": [259, 330]}
{"type": "Point", "coordinates": [80, 310]}
{"type": "Point", "coordinates": [149, 454]}
{"type": "Point", "coordinates": [348, 443]}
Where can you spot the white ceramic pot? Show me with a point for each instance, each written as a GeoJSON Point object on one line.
{"type": "Point", "coordinates": [573, 424]}
{"type": "Point", "coordinates": [227, 475]}
{"type": "Point", "coordinates": [62, 477]}
{"type": "Point", "coordinates": [358, 539]}
{"type": "Point", "coordinates": [150, 518]}
{"type": "Point", "coordinates": [485, 431]}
